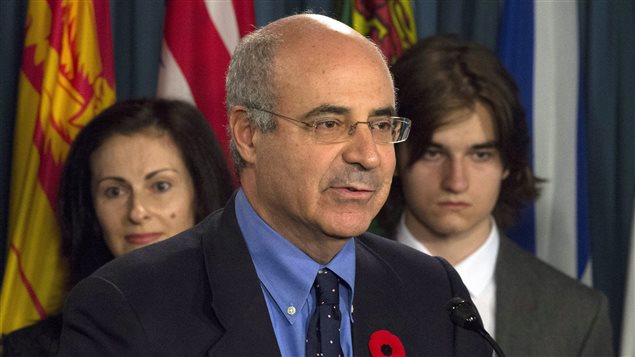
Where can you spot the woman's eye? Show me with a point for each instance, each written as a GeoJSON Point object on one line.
{"type": "Point", "coordinates": [162, 186]}
{"type": "Point", "coordinates": [112, 192]}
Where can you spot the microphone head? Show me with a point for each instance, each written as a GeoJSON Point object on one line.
{"type": "Point", "coordinates": [464, 314]}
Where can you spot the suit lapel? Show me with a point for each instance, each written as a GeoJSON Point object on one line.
{"type": "Point", "coordinates": [237, 297]}
{"type": "Point", "coordinates": [377, 292]}
{"type": "Point", "coordinates": [512, 285]}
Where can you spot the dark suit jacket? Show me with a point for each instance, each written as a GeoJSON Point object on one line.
{"type": "Point", "coordinates": [198, 293]}
{"type": "Point", "coordinates": [542, 312]}
{"type": "Point", "coordinates": [39, 339]}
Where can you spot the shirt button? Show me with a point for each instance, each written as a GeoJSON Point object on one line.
{"type": "Point", "coordinates": [291, 310]}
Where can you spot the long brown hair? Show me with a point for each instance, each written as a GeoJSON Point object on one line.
{"type": "Point", "coordinates": [443, 74]}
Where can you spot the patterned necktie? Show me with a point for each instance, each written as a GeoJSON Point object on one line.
{"type": "Point", "coordinates": [323, 335]}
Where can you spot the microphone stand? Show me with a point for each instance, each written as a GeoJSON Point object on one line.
{"type": "Point", "coordinates": [464, 314]}
{"type": "Point", "coordinates": [491, 341]}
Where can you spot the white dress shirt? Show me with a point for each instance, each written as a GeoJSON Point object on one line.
{"type": "Point", "coordinates": [476, 271]}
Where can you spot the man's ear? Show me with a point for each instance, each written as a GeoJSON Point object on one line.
{"type": "Point", "coordinates": [242, 132]}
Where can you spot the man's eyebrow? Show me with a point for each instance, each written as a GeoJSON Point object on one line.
{"type": "Point", "coordinates": [326, 109]}
{"type": "Point", "coordinates": [486, 145]}
{"type": "Point", "coordinates": [340, 110]}
{"type": "Point", "coordinates": [381, 112]}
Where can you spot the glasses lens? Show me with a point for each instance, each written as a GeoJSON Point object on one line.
{"type": "Point", "coordinates": [389, 129]}
{"type": "Point", "coordinates": [329, 130]}
{"type": "Point", "coordinates": [333, 130]}
{"type": "Point", "coordinates": [382, 129]}
{"type": "Point", "coordinates": [401, 129]}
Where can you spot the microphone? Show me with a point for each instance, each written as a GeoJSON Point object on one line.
{"type": "Point", "coordinates": [464, 314]}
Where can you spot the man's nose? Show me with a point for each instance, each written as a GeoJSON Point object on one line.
{"type": "Point", "coordinates": [361, 148]}
{"type": "Point", "coordinates": [455, 176]}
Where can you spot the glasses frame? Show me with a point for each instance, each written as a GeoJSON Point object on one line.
{"type": "Point", "coordinates": [405, 131]}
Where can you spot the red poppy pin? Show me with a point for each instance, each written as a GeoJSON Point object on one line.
{"type": "Point", "coordinates": [384, 344]}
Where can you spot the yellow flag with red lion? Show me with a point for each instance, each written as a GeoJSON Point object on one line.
{"type": "Point", "coordinates": [66, 78]}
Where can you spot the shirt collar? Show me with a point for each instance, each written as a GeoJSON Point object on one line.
{"type": "Point", "coordinates": [275, 257]}
{"type": "Point", "coordinates": [477, 270]}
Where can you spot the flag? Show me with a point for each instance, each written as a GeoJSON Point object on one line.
{"type": "Point", "coordinates": [389, 23]}
{"type": "Point", "coordinates": [66, 78]}
{"type": "Point", "coordinates": [198, 40]}
{"type": "Point", "coordinates": [538, 43]}
{"type": "Point", "coordinates": [628, 319]}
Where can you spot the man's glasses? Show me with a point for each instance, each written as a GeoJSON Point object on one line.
{"type": "Point", "coordinates": [331, 128]}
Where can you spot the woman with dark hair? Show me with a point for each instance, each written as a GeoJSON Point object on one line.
{"type": "Point", "coordinates": [140, 172]}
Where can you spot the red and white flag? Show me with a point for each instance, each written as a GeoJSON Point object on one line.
{"type": "Point", "coordinates": [198, 39]}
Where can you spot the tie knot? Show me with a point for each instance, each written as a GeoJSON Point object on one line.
{"type": "Point", "coordinates": [327, 287]}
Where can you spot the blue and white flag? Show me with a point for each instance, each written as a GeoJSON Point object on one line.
{"type": "Point", "coordinates": [538, 42]}
{"type": "Point", "coordinates": [628, 318]}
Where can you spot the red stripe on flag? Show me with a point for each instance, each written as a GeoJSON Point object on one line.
{"type": "Point", "coordinates": [49, 170]}
{"type": "Point", "coordinates": [244, 11]}
{"type": "Point", "coordinates": [27, 284]}
{"type": "Point", "coordinates": [55, 38]}
{"type": "Point", "coordinates": [104, 35]}
{"type": "Point", "coordinates": [201, 54]}
{"type": "Point", "coordinates": [32, 71]}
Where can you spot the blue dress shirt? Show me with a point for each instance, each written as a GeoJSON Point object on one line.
{"type": "Point", "coordinates": [286, 276]}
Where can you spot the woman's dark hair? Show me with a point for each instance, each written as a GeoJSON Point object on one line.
{"type": "Point", "coordinates": [441, 75]}
{"type": "Point", "coordinates": [82, 237]}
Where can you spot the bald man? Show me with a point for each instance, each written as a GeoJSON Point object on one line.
{"type": "Point", "coordinates": [311, 114]}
